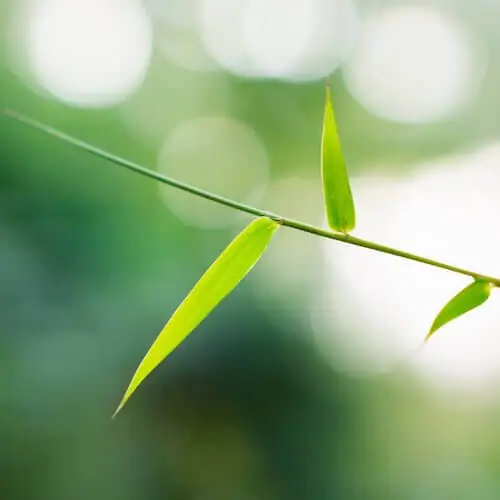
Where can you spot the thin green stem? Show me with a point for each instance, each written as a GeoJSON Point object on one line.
{"type": "Point", "coordinates": [294, 224]}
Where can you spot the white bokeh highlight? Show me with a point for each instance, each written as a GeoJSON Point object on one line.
{"type": "Point", "coordinates": [281, 39]}
{"type": "Point", "coordinates": [376, 309]}
{"type": "Point", "coordinates": [177, 33]}
{"type": "Point", "coordinates": [414, 64]}
{"type": "Point", "coordinates": [219, 154]}
{"type": "Point", "coordinates": [88, 53]}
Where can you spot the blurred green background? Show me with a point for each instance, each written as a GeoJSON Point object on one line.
{"type": "Point", "coordinates": [304, 383]}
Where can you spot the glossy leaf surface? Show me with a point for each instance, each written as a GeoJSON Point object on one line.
{"type": "Point", "coordinates": [469, 298]}
{"type": "Point", "coordinates": [339, 203]}
{"type": "Point", "coordinates": [217, 282]}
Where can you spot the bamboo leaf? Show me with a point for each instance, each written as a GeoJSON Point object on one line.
{"type": "Point", "coordinates": [469, 298]}
{"type": "Point", "coordinates": [339, 203]}
{"type": "Point", "coordinates": [217, 282]}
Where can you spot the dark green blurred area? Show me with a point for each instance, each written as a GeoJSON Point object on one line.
{"type": "Point", "coordinates": [92, 264]}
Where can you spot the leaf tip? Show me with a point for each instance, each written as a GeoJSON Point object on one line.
{"type": "Point", "coordinates": [427, 337]}
{"type": "Point", "coordinates": [328, 92]}
{"type": "Point", "coordinates": [130, 390]}
{"type": "Point", "coordinates": [119, 407]}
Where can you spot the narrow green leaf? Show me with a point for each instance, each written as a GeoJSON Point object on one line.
{"type": "Point", "coordinates": [339, 203]}
{"type": "Point", "coordinates": [217, 282]}
{"type": "Point", "coordinates": [469, 298]}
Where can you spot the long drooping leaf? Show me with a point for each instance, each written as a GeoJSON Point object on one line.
{"type": "Point", "coordinates": [469, 298]}
{"type": "Point", "coordinates": [217, 282]}
{"type": "Point", "coordinates": [339, 203]}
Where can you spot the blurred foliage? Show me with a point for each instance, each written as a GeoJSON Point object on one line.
{"type": "Point", "coordinates": [92, 264]}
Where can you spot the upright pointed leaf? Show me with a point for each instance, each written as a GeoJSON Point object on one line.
{"type": "Point", "coordinates": [469, 298]}
{"type": "Point", "coordinates": [339, 203]}
{"type": "Point", "coordinates": [217, 282]}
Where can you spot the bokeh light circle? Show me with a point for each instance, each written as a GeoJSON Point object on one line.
{"type": "Point", "coordinates": [219, 154]}
{"type": "Point", "coordinates": [88, 53]}
{"type": "Point", "coordinates": [284, 39]}
{"type": "Point", "coordinates": [177, 34]}
{"type": "Point", "coordinates": [414, 64]}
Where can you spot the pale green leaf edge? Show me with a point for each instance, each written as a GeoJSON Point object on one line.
{"type": "Point", "coordinates": [472, 296]}
{"type": "Point", "coordinates": [338, 198]}
{"type": "Point", "coordinates": [244, 251]}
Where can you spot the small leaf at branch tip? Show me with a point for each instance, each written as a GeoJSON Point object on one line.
{"type": "Point", "coordinates": [339, 203]}
{"type": "Point", "coordinates": [218, 281]}
{"type": "Point", "coordinates": [469, 298]}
